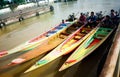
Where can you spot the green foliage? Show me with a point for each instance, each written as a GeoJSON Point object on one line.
{"type": "Point", "coordinates": [3, 3]}
{"type": "Point", "coordinates": [18, 1]}
{"type": "Point", "coordinates": [13, 3]}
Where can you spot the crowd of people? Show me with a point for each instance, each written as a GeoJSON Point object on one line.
{"type": "Point", "coordinates": [110, 20]}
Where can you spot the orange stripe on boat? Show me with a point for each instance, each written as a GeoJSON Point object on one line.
{"type": "Point", "coordinates": [4, 52]}
{"type": "Point", "coordinates": [95, 41]}
{"type": "Point", "coordinates": [70, 61]}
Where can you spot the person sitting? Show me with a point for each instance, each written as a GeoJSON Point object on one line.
{"type": "Point", "coordinates": [112, 14]}
{"type": "Point", "coordinates": [82, 19]}
{"type": "Point", "coordinates": [117, 18]}
{"type": "Point", "coordinates": [63, 23]}
{"type": "Point", "coordinates": [91, 21]}
{"type": "Point", "coordinates": [117, 14]}
{"type": "Point", "coordinates": [107, 22]}
{"type": "Point", "coordinates": [71, 17]}
{"type": "Point", "coordinates": [87, 15]}
{"type": "Point", "coordinates": [114, 17]}
{"type": "Point", "coordinates": [99, 16]}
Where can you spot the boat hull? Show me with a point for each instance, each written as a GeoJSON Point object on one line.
{"type": "Point", "coordinates": [63, 48]}
{"type": "Point", "coordinates": [51, 42]}
{"type": "Point", "coordinates": [89, 45]}
{"type": "Point", "coordinates": [31, 44]}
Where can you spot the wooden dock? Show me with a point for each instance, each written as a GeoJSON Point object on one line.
{"type": "Point", "coordinates": [112, 65]}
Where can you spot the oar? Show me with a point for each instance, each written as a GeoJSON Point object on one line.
{"type": "Point", "coordinates": [119, 10]}
{"type": "Point", "coordinates": [77, 13]}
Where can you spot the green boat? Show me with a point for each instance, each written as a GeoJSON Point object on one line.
{"type": "Point", "coordinates": [87, 47]}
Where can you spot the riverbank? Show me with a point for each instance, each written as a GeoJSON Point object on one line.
{"type": "Point", "coordinates": [24, 13]}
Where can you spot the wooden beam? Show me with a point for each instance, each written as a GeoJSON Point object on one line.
{"type": "Point", "coordinates": [111, 61]}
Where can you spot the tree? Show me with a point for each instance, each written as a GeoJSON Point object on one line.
{"type": "Point", "coordinates": [15, 3]}
{"type": "Point", "coordinates": [2, 3]}
{"type": "Point", "coordinates": [18, 1]}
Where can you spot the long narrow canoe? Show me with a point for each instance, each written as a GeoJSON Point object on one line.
{"type": "Point", "coordinates": [67, 46]}
{"type": "Point", "coordinates": [87, 47]}
{"type": "Point", "coordinates": [44, 47]}
{"type": "Point", "coordinates": [29, 45]}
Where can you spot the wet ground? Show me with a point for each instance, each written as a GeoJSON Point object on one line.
{"type": "Point", "coordinates": [18, 33]}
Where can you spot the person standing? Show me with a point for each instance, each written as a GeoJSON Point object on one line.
{"type": "Point", "coordinates": [100, 16]}
{"type": "Point", "coordinates": [21, 16]}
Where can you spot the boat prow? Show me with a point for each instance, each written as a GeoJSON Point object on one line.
{"type": "Point", "coordinates": [53, 38]}
{"type": "Point", "coordinates": [36, 41]}
{"type": "Point", "coordinates": [87, 47]}
{"type": "Point", "coordinates": [66, 47]}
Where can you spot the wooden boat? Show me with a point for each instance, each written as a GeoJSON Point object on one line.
{"type": "Point", "coordinates": [87, 47]}
{"type": "Point", "coordinates": [67, 46]}
{"type": "Point", "coordinates": [29, 45]}
{"type": "Point", "coordinates": [44, 47]}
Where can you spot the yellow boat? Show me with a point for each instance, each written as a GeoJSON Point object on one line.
{"type": "Point", "coordinates": [67, 46]}
{"type": "Point", "coordinates": [87, 47]}
{"type": "Point", "coordinates": [31, 44]}
{"type": "Point", "coordinates": [54, 38]}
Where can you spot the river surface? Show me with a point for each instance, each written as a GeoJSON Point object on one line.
{"type": "Point", "coordinates": [17, 33]}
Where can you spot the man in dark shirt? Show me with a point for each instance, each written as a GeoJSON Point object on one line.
{"type": "Point", "coordinates": [107, 22]}
{"type": "Point", "coordinates": [91, 21]}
